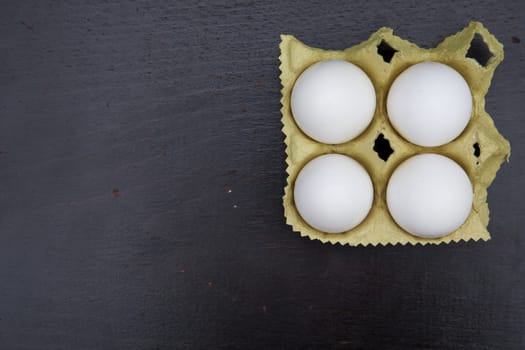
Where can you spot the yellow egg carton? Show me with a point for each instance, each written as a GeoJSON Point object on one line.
{"type": "Point", "coordinates": [480, 149]}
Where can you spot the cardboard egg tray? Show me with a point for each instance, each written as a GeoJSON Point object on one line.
{"type": "Point", "coordinates": [480, 149]}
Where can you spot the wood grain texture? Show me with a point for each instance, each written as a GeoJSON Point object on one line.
{"type": "Point", "coordinates": [175, 104]}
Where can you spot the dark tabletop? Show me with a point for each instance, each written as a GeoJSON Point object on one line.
{"type": "Point", "coordinates": [142, 170]}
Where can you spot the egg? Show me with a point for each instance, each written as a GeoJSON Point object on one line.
{"type": "Point", "coordinates": [333, 193]}
{"type": "Point", "coordinates": [333, 101]}
{"type": "Point", "coordinates": [429, 104]}
{"type": "Point", "coordinates": [429, 195]}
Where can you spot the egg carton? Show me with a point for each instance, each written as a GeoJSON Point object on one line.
{"type": "Point", "coordinates": [480, 149]}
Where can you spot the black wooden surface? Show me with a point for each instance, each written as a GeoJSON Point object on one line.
{"type": "Point", "coordinates": [141, 175]}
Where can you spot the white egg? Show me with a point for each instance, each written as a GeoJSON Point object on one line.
{"type": "Point", "coordinates": [333, 193]}
{"type": "Point", "coordinates": [429, 195]}
{"type": "Point", "coordinates": [333, 101]}
{"type": "Point", "coordinates": [429, 104]}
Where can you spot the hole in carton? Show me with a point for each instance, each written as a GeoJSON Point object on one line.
{"type": "Point", "coordinates": [382, 147]}
{"type": "Point", "coordinates": [479, 50]}
{"type": "Point", "coordinates": [386, 51]}
{"type": "Point", "coordinates": [477, 150]}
